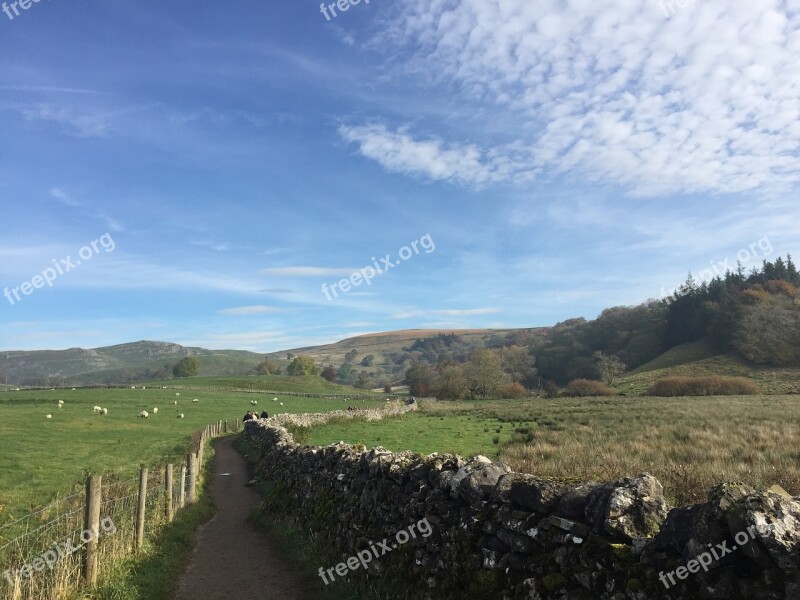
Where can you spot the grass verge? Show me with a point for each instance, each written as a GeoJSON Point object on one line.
{"type": "Point", "coordinates": [154, 572]}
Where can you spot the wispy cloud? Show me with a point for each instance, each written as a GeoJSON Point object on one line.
{"type": "Point", "coordinates": [448, 312]}
{"type": "Point", "coordinates": [436, 159]}
{"type": "Point", "coordinates": [670, 110]}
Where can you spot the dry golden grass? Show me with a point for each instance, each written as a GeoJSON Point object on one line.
{"type": "Point", "coordinates": [689, 444]}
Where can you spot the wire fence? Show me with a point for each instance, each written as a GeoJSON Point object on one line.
{"type": "Point", "coordinates": [63, 547]}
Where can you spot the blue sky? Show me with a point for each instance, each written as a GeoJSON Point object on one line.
{"type": "Point", "coordinates": [563, 157]}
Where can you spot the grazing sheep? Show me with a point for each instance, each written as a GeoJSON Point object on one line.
{"type": "Point", "coordinates": [281, 403]}
{"type": "Point", "coordinates": [133, 387]}
{"type": "Point", "coordinates": [49, 417]}
{"type": "Point", "coordinates": [104, 411]}
{"type": "Point", "coordinates": [177, 393]}
{"type": "Point", "coordinates": [144, 388]}
{"type": "Point", "coordinates": [254, 402]}
{"type": "Point", "coordinates": [175, 403]}
{"type": "Point", "coordinates": [180, 416]}
{"type": "Point", "coordinates": [61, 402]}
{"type": "Point", "coordinates": [73, 389]}
{"type": "Point", "coordinates": [155, 410]}
{"type": "Point", "coordinates": [144, 414]}
{"type": "Point", "coordinates": [97, 409]}
{"type": "Point", "coordinates": [274, 399]}
{"type": "Point", "coordinates": [195, 400]}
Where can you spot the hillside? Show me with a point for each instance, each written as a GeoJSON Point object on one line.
{"type": "Point", "coordinates": [116, 364]}
{"type": "Point", "coordinates": [701, 358]}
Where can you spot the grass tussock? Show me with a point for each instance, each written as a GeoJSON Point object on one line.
{"type": "Point", "coordinates": [585, 388]}
{"type": "Point", "coordinates": [688, 444]}
{"type": "Point", "coordinates": [704, 386]}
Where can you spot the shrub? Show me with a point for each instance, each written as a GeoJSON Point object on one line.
{"type": "Point", "coordinates": [588, 387]}
{"type": "Point", "coordinates": [551, 390]}
{"type": "Point", "coordinates": [704, 386]}
{"type": "Point", "coordinates": [511, 390]}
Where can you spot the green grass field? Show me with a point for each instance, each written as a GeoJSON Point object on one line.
{"type": "Point", "coordinates": [689, 444]}
{"type": "Point", "coordinates": [40, 458]}
{"type": "Point", "coordinates": [306, 385]}
{"type": "Point", "coordinates": [457, 434]}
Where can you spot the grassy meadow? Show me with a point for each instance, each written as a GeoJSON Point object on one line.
{"type": "Point", "coordinates": [689, 444]}
{"type": "Point", "coordinates": [41, 458]}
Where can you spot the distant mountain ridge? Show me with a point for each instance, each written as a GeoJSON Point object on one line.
{"type": "Point", "coordinates": [121, 363]}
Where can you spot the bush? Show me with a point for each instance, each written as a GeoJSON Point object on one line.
{"type": "Point", "coordinates": [588, 387]}
{"type": "Point", "coordinates": [511, 390]}
{"type": "Point", "coordinates": [551, 390]}
{"type": "Point", "coordinates": [704, 386]}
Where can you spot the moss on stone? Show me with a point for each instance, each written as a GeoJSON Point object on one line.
{"type": "Point", "coordinates": [554, 581]}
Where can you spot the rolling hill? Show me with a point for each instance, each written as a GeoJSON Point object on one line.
{"type": "Point", "coordinates": [116, 364]}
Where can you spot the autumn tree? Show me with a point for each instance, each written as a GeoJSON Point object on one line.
{"type": "Point", "coordinates": [187, 367]}
{"type": "Point", "coordinates": [451, 383]}
{"type": "Point", "coordinates": [269, 367]}
{"type": "Point", "coordinates": [329, 374]}
{"type": "Point", "coordinates": [302, 365]}
{"type": "Point", "coordinates": [518, 363]}
{"type": "Point", "coordinates": [608, 368]}
{"type": "Point", "coordinates": [484, 373]}
{"type": "Point", "coordinates": [419, 379]}
{"type": "Point", "coordinates": [363, 381]}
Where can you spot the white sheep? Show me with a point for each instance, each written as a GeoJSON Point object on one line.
{"type": "Point", "coordinates": [254, 402]}
{"type": "Point", "coordinates": [104, 411]}
{"type": "Point", "coordinates": [97, 409]}
{"type": "Point", "coordinates": [180, 416]}
{"type": "Point", "coordinates": [61, 403]}
{"type": "Point", "coordinates": [175, 403]}
{"type": "Point", "coordinates": [155, 410]}
{"type": "Point", "coordinates": [177, 393]}
{"type": "Point", "coordinates": [281, 403]}
{"type": "Point", "coordinates": [144, 414]}
{"type": "Point", "coordinates": [49, 417]}
{"type": "Point", "coordinates": [195, 400]}
{"type": "Point", "coordinates": [274, 399]}
{"type": "Point", "coordinates": [133, 387]}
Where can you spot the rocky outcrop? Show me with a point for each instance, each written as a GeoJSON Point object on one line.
{"type": "Point", "coordinates": [500, 534]}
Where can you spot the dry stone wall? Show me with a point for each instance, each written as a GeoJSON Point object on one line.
{"type": "Point", "coordinates": [500, 534]}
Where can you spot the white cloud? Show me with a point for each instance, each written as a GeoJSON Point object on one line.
{"type": "Point", "coordinates": [72, 122]}
{"type": "Point", "coordinates": [460, 163]}
{"type": "Point", "coordinates": [610, 91]}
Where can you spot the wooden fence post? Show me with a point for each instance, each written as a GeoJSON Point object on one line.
{"type": "Point", "coordinates": [192, 477]}
{"type": "Point", "coordinates": [168, 492]}
{"type": "Point", "coordinates": [200, 445]}
{"type": "Point", "coordinates": [182, 493]}
{"type": "Point", "coordinates": [91, 522]}
{"type": "Point", "coordinates": [140, 508]}
{"type": "Point", "coordinates": [225, 427]}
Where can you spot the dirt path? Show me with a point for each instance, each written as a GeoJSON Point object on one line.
{"type": "Point", "coordinates": [232, 559]}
